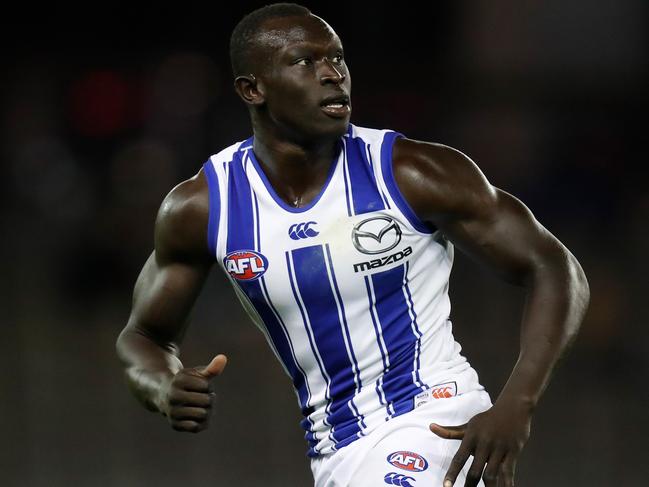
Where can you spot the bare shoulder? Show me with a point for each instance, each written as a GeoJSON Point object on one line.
{"type": "Point", "coordinates": [438, 180]}
{"type": "Point", "coordinates": [181, 222]}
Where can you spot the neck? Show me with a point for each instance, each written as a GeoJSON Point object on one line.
{"type": "Point", "coordinates": [296, 170]}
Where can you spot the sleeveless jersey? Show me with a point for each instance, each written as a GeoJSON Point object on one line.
{"type": "Point", "coordinates": [350, 291]}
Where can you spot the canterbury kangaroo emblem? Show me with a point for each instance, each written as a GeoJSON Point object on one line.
{"type": "Point", "coordinates": [302, 230]}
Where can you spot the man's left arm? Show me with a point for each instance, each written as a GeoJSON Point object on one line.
{"type": "Point", "coordinates": [446, 188]}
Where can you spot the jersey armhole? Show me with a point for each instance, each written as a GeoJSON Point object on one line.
{"type": "Point", "coordinates": [393, 189]}
{"type": "Point", "coordinates": [214, 206]}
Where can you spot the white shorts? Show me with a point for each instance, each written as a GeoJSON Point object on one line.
{"type": "Point", "coordinates": [403, 451]}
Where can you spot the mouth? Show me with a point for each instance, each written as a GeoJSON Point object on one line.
{"type": "Point", "coordinates": [336, 106]}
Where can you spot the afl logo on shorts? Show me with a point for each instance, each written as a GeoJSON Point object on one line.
{"type": "Point", "coordinates": [245, 265]}
{"type": "Point", "coordinates": [407, 460]}
{"type": "Point", "coordinates": [376, 235]}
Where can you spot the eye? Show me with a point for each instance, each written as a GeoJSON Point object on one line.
{"type": "Point", "coordinates": [340, 58]}
{"type": "Point", "coordinates": [304, 61]}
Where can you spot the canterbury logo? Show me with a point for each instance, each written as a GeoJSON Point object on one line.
{"type": "Point", "coordinates": [394, 478]}
{"type": "Point", "coordinates": [442, 392]}
{"type": "Point", "coordinates": [376, 235]}
{"type": "Point", "coordinates": [438, 391]}
{"type": "Point", "coordinates": [302, 230]}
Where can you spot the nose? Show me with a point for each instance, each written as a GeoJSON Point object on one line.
{"type": "Point", "coordinates": [331, 74]}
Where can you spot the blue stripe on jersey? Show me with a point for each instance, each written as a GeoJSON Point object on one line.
{"type": "Point", "coordinates": [310, 271]}
{"type": "Point", "coordinates": [240, 220]}
{"type": "Point", "coordinates": [309, 332]}
{"type": "Point", "coordinates": [348, 340]}
{"type": "Point", "coordinates": [370, 160]}
{"type": "Point", "coordinates": [349, 210]}
{"type": "Point", "coordinates": [258, 247]}
{"type": "Point", "coordinates": [379, 340]}
{"type": "Point", "coordinates": [365, 193]}
{"type": "Point", "coordinates": [241, 237]}
{"type": "Point", "coordinates": [214, 206]}
{"type": "Point", "coordinates": [413, 315]}
{"type": "Point", "coordinates": [393, 189]}
{"type": "Point", "coordinates": [401, 342]}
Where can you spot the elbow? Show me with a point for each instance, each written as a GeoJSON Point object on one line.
{"type": "Point", "coordinates": [578, 281]}
{"type": "Point", "coordinates": [564, 270]}
{"type": "Point", "coordinates": [122, 345]}
{"type": "Point", "coordinates": [578, 294]}
{"type": "Point", "coordinates": [580, 286]}
{"type": "Point", "coordinates": [564, 278]}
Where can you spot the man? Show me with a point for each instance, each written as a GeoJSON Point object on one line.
{"type": "Point", "coordinates": [339, 240]}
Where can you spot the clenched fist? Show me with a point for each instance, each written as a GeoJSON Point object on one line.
{"type": "Point", "coordinates": [186, 400]}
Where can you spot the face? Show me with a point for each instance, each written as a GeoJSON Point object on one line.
{"type": "Point", "coordinates": [305, 85]}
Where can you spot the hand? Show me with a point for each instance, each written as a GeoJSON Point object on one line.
{"type": "Point", "coordinates": [187, 397]}
{"type": "Point", "coordinates": [494, 437]}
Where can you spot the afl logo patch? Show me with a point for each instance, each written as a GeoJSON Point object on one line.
{"type": "Point", "coordinates": [408, 460]}
{"type": "Point", "coordinates": [245, 265]}
{"type": "Point", "coordinates": [376, 235]}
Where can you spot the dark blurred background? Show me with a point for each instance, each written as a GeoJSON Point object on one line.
{"type": "Point", "coordinates": [106, 107]}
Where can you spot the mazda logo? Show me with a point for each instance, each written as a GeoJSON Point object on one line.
{"type": "Point", "coordinates": [376, 235]}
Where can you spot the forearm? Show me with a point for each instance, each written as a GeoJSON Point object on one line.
{"type": "Point", "coordinates": [148, 366]}
{"type": "Point", "coordinates": [557, 300]}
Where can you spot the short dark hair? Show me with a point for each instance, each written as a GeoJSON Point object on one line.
{"type": "Point", "coordinates": [242, 40]}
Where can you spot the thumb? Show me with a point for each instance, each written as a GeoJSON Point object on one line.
{"type": "Point", "coordinates": [448, 432]}
{"type": "Point", "coordinates": [215, 367]}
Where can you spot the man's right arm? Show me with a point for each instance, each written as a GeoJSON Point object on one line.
{"type": "Point", "coordinates": [164, 295]}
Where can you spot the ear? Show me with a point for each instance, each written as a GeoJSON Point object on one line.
{"type": "Point", "coordinates": [250, 89]}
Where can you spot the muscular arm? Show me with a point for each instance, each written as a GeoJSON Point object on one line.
{"type": "Point", "coordinates": [165, 292]}
{"type": "Point", "coordinates": [445, 187]}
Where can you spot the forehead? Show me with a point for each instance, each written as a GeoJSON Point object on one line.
{"type": "Point", "coordinates": [282, 34]}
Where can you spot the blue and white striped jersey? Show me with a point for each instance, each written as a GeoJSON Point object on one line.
{"type": "Point", "coordinates": [351, 290]}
